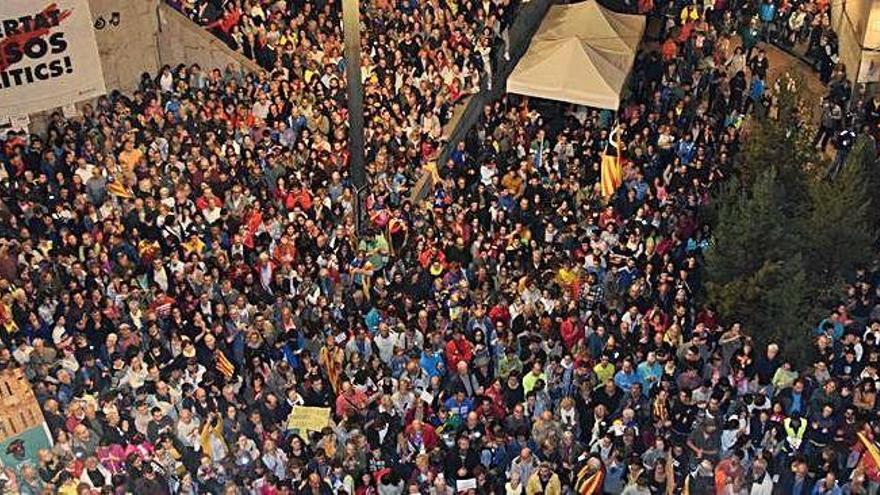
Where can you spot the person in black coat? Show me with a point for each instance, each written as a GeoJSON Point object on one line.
{"type": "Point", "coordinates": [317, 394]}
{"type": "Point", "coordinates": [382, 434]}
{"type": "Point", "coordinates": [759, 426]}
{"type": "Point", "coordinates": [315, 485]}
{"type": "Point", "coordinates": [151, 482]}
{"type": "Point", "coordinates": [795, 480]}
{"type": "Point", "coordinates": [461, 461]}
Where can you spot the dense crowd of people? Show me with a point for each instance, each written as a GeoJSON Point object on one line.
{"type": "Point", "coordinates": [420, 59]}
{"type": "Point", "coordinates": [179, 271]}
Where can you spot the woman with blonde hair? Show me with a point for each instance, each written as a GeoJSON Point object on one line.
{"type": "Point", "coordinates": [514, 486]}
{"type": "Point", "coordinates": [568, 415]}
{"type": "Point", "coordinates": [403, 398]}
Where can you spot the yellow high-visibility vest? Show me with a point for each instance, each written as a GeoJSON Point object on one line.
{"type": "Point", "coordinates": [792, 436]}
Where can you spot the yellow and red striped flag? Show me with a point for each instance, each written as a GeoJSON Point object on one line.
{"type": "Point", "coordinates": [590, 479]}
{"type": "Point", "coordinates": [612, 175]}
{"type": "Point", "coordinates": [870, 457]}
{"type": "Point", "coordinates": [119, 190]}
{"type": "Point", "coordinates": [224, 366]}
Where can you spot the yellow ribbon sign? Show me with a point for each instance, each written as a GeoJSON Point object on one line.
{"type": "Point", "coordinates": [308, 418]}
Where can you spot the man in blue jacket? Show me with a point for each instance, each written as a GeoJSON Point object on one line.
{"type": "Point", "coordinates": [767, 13]}
{"type": "Point", "coordinates": [432, 361]}
{"type": "Point", "coordinates": [796, 480]}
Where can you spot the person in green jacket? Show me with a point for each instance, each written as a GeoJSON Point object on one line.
{"type": "Point", "coordinates": [532, 377]}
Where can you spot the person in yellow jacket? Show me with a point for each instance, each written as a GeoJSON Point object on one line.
{"type": "Point", "coordinates": [7, 323]}
{"type": "Point", "coordinates": [73, 486]}
{"type": "Point", "coordinates": [544, 482]}
{"type": "Point", "coordinates": [211, 438]}
{"type": "Point", "coordinates": [689, 13]}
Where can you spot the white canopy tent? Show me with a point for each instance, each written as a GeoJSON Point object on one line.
{"type": "Point", "coordinates": [582, 53]}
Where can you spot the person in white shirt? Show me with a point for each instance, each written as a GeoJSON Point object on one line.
{"type": "Point", "coordinates": [260, 108]}
{"type": "Point", "coordinates": [484, 49]}
{"type": "Point", "coordinates": [166, 80]}
{"type": "Point", "coordinates": [188, 429]}
{"type": "Point", "coordinates": [95, 474]}
{"type": "Point", "coordinates": [385, 342]}
{"type": "Point", "coordinates": [488, 172]}
{"type": "Point", "coordinates": [275, 460]}
{"type": "Point", "coordinates": [760, 481]}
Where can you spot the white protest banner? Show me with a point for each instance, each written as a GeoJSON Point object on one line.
{"type": "Point", "coordinates": [465, 485]}
{"type": "Point", "coordinates": [48, 55]}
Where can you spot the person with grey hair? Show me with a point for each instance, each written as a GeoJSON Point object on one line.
{"type": "Point", "coordinates": [760, 482]}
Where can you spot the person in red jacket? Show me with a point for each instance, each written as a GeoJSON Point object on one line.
{"type": "Point", "coordinates": [494, 407]}
{"type": "Point", "coordinates": [285, 251]}
{"type": "Point", "coordinates": [572, 332]}
{"type": "Point", "coordinates": [208, 199]}
{"type": "Point", "coordinates": [299, 197]}
{"type": "Point", "coordinates": [499, 312]}
{"type": "Point", "coordinates": [421, 436]}
{"type": "Point", "coordinates": [458, 349]}
{"type": "Point", "coordinates": [228, 20]}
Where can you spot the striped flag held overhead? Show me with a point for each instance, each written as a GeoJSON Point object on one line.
{"type": "Point", "coordinates": [590, 478]}
{"type": "Point", "coordinates": [224, 366]}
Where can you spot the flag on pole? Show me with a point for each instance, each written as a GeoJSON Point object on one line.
{"type": "Point", "coordinates": [611, 172]}
{"type": "Point", "coordinates": [611, 175]}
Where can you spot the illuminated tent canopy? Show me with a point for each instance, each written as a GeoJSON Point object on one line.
{"type": "Point", "coordinates": [582, 53]}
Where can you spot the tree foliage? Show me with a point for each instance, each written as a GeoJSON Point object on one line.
{"type": "Point", "coordinates": [748, 230]}
{"type": "Point", "coordinates": [839, 234]}
{"type": "Point", "coordinates": [773, 299]}
{"type": "Point", "coordinates": [785, 238]}
{"type": "Point", "coordinates": [863, 157]}
{"type": "Point", "coordinates": [781, 140]}
{"type": "Point", "coordinates": [756, 272]}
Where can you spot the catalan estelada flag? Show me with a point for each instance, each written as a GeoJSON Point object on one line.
{"type": "Point", "coordinates": [589, 480]}
{"type": "Point", "coordinates": [612, 169]}
{"type": "Point", "coordinates": [870, 457]}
